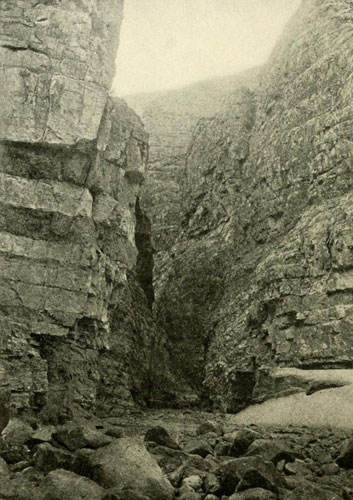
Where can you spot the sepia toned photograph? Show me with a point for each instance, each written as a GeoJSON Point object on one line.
{"type": "Point", "coordinates": [176, 249]}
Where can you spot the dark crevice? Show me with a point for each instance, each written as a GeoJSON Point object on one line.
{"type": "Point", "coordinates": [22, 49]}
{"type": "Point", "coordinates": [327, 365]}
{"type": "Point", "coordinates": [15, 49]}
{"type": "Point", "coordinates": [144, 265]}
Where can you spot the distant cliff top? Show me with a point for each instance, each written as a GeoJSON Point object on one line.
{"type": "Point", "coordinates": [200, 98]}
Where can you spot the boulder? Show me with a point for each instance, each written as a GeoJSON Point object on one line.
{"type": "Point", "coordinates": [212, 484]}
{"type": "Point", "coordinates": [298, 467]}
{"type": "Point", "coordinates": [126, 463]}
{"type": "Point", "coordinates": [65, 485]}
{"type": "Point", "coordinates": [241, 441]}
{"type": "Point", "coordinates": [127, 494]}
{"type": "Point", "coordinates": [311, 492]}
{"type": "Point", "coordinates": [211, 438]}
{"type": "Point", "coordinates": [13, 441]}
{"type": "Point", "coordinates": [199, 463]}
{"type": "Point", "coordinates": [48, 458]}
{"type": "Point", "coordinates": [20, 487]}
{"type": "Point", "coordinates": [42, 435]}
{"type": "Point", "coordinates": [17, 432]}
{"type": "Point", "coordinates": [210, 426]}
{"type": "Point", "coordinates": [160, 436]}
{"type": "Point", "coordinates": [189, 495]}
{"type": "Point", "coordinates": [76, 435]}
{"type": "Point", "coordinates": [193, 465]}
{"type": "Point", "coordinates": [222, 449]}
{"type": "Point", "coordinates": [248, 472]}
{"type": "Point", "coordinates": [272, 450]}
{"type": "Point", "coordinates": [4, 470]}
{"type": "Point", "coordinates": [198, 447]}
{"type": "Point", "coordinates": [193, 482]}
{"type": "Point", "coordinates": [345, 458]}
{"type": "Point", "coordinates": [168, 459]}
{"type": "Point", "coordinates": [254, 494]}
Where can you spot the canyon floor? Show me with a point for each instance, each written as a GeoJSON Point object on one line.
{"type": "Point", "coordinates": [297, 447]}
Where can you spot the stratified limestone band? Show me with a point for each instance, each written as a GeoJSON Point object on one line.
{"type": "Point", "coordinates": [56, 68]}
{"type": "Point", "coordinates": [72, 162]}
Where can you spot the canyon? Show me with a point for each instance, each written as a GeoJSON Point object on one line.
{"type": "Point", "coordinates": [181, 268]}
{"type": "Point", "coordinates": [176, 268]}
{"type": "Point", "coordinates": [258, 275]}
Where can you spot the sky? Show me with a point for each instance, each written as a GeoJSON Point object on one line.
{"type": "Point", "coordinates": [170, 43]}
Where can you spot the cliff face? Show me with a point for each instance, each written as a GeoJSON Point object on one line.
{"type": "Point", "coordinates": [261, 275]}
{"type": "Point", "coordinates": [170, 118]}
{"type": "Point", "coordinates": [251, 220]}
{"type": "Point", "coordinates": [189, 294]}
{"type": "Point", "coordinates": [76, 333]}
{"type": "Point", "coordinates": [56, 68]}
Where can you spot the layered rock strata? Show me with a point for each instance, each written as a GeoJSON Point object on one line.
{"type": "Point", "coordinates": [75, 329]}
{"type": "Point", "coordinates": [56, 68]}
{"type": "Point", "coordinates": [170, 118]}
{"type": "Point", "coordinates": [261, 274]}
{"type": "Point", "coordinates": [189, 294]}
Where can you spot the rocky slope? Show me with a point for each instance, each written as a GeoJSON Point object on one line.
{"type": "Point", "coordinates": [261, 273]}
{"type": "Point", "coordinates": [76, 333]}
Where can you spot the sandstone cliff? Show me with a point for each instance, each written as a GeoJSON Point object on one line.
{"type": "Point", "coordinates": [261, 274]}
{"type": "Point", "coordinates": [76, 333]}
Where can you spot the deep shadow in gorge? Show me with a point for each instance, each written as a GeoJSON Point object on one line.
{"type": "Point", "coordinates": [144, 264]}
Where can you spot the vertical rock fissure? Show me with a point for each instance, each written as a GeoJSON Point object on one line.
{"type": "Point", "coordinates": [144, 264]}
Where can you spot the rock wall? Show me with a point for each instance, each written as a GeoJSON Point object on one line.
{"type": "Point", "coordinates": [56, 68]}
{"type": "Point", "coordinates": [170, 118]}
{"type": "Point", "coordinates": [261, 275]}
{"type": "Point", "coordinates": [76, 333]}
{"type": "Point", "coordinates": [253, 235]}
{"type": "Point", "coordinates": [189, 294]}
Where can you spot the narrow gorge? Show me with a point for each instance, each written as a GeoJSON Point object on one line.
{"type": "Point", "coordinates": [257, 275]}
{"type": "Point", "coordinates": [171, 260]}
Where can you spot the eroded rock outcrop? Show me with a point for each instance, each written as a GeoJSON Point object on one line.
{"type": "Point", "coordinates": [75, 329]}
{"type": "Point", "coordinates": [261, 274]}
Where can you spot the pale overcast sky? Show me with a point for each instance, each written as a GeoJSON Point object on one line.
{"type": "Point", "coordinates": [170, 43]}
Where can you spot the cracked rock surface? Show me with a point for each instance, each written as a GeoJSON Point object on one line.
{"type": "Point", "coordinates": [260, 274]}
{"type": "Point", "coordinates": [76, 331]}
{"type": "Point", "coordinates": [56, 68]}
